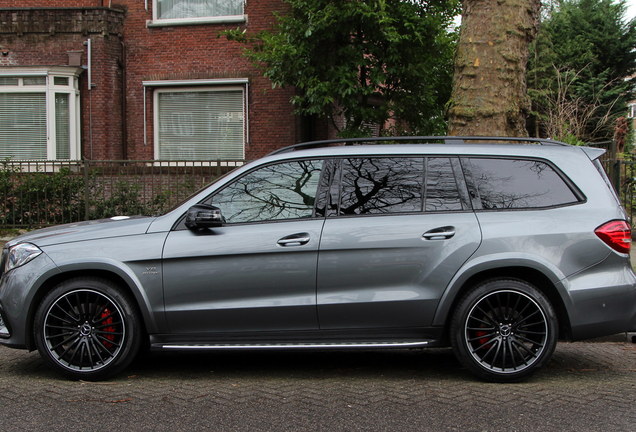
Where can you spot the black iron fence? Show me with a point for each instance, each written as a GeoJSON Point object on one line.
{"type": "Point", "coordinates": [621, 170]}
{"type": "Point", "coordinates": [625, 183]}
{"type": "Point", "coordinates": [42, 193]}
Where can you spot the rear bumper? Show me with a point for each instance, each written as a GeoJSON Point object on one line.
{"type": "Point", "coordinates": [602, 300]}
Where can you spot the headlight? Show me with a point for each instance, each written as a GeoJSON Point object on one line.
{"type": "Point", "coordinates": [21, 254]}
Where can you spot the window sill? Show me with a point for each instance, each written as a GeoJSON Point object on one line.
{"type": "Point", "coordinates": [197, 21]}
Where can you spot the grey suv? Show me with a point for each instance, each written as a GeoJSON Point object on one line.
{"type": "Point", "coordinates": [494, 249]}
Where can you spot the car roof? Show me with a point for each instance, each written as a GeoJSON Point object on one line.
{"type": "Point", "coordinates": [490, 146]}
{"type": "Point", "coordinates": [518, 150]}
{"type": "Point", "coordinates": [447, 140]}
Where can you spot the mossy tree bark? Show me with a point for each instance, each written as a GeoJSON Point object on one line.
{"type": "Point", "coordinates": [489, 85]}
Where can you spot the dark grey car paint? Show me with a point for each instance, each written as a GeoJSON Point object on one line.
{"type": "Point", "coordinates": [380, 271]}
{"type": "Point", "coordinates": [241, 279]}
{"type": "Point", "coordinates": [353, 273]}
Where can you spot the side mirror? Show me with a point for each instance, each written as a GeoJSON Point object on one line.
{"type": "Point", "coordinates": [203, 216]}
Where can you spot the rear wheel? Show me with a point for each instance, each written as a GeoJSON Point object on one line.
{"type": "Point", "coordinates": [504, 330]}
{"type": "Point", "coordinates": [87, 328]}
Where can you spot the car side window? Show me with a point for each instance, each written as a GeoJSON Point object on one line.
{"type": "Point", "coordinates": [274, 192]}
{"type": "Point", "coordinates": [401, 185]}
{"type": "Point", "coordinates": [515, 184]}
{"type": "Point", "coordinates": [442, 191]}
{"type": "Point", "coordinates": [381, 185]}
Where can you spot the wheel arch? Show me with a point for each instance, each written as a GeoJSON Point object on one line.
{"type": "Point", "coordinates": [107, 272]}
{"type": "Point", "coordinates": [528, 274]}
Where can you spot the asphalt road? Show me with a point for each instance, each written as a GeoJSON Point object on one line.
{"type": "Point", "coordinates": [588, 386]}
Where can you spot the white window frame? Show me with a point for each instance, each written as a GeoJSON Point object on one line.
{"type": "Point", "coordinates": [224, 19]}
{"type": "Point", "coordinates": [190, 86]}
{"type": "Point", "coordinates": [631, 110]}
{"type": "Point", "coordinates": [50, 89]}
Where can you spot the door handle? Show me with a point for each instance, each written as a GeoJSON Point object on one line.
{"type": "Point", "coordinates": [295, 240]}
{"type": "Point", "coordinates": [442, 233]}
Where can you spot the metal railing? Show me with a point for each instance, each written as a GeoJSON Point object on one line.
{"type": "Point", "coordinates": [625, 184]}
{"type": "Point", "coordinates": [42, 193]}
{"type": "Point", "coordinates": [621, 170]}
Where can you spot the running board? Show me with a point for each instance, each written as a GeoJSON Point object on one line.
{"type": "Point", "coordinates": [325, 345]}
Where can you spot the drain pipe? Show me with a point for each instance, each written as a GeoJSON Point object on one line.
{"type": "Point", "coordinates": [90, 97]}
{"type": "Point", "coordinates": [124, 122]}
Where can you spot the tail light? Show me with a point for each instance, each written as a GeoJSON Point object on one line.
{"type": "Point", "coordinates": [616, 234]}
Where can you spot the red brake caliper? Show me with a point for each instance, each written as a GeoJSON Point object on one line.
{"type": "Point", "coordinates": [109, 329]}
{"type": "Point", "coordinates": [482, 340]}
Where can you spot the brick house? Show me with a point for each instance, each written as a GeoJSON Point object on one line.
{"type": "Point", "coordinates": [138, 80]}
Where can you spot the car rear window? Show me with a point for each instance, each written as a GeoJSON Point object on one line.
{"type": "Point", "coordinates": [497, 184]}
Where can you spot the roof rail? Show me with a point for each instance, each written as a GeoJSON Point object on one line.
{"type": "Point", "coordinates": [444, 139]}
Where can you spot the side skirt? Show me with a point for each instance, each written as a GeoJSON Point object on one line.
{"type": "Point", "coordinates": [367, 339]}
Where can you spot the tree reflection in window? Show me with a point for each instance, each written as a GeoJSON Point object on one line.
{"type": "Point", "coordinates": [518, 184]}
{"type": "Point", "coordinates": [274, 192]}
{"type": "Point", "coordinates": [442, 193]}
{"type": "Point", "coordinates": [381, 185]}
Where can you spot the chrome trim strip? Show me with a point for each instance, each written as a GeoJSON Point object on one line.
{"type": "Point", "coordinates": [290, 345]}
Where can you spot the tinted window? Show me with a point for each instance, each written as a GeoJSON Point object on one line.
{"type": "Point", "coordinates": [441, 188]}
{"type": "Point", "coordinates": [381, 185]}
{"type": "Point", "coordinates": [516, 184]}
{"type": "Point", "coordinates": [281, 191]}
{"type": "Point", "coordinates": [327, 201]}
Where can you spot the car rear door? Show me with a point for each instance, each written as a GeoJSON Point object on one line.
{"type": "Point", "coordinates": [398, 228]}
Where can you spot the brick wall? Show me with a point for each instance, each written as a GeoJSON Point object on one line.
{"type": "Point", "coordinates": [122, 43]}
{"type": "Point", "coordinates": [54, 3]}
{"type": "Point", "coordinates": [40, 37]}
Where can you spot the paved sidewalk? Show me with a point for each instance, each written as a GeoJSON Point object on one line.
{"type": "Point", "coordinates": [587, 386]}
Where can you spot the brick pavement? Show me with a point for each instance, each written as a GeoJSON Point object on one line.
{"type": "Point", "coordinates": [587, 386]}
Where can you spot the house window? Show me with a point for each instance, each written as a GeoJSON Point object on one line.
{"type": "Point", "coordinates": [631, 110]}
{"type": "Point", "coordinates": [197, 11]}
{"type": "Point", "coordinates": [200, 123]}
{"type": "Point", "coordinates": [39, 114]}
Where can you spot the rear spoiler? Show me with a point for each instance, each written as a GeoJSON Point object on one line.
{"type": "Point", "coordinates": [593, 152]}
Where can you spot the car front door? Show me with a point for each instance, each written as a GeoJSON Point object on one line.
{"type": "Point", "coordinates": [257, 272]}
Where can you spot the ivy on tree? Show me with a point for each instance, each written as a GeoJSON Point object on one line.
{"type": "Point", "coordinates": [363, 61]}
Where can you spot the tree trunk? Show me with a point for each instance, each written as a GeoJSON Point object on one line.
{"type": "Point", "coordinates": [489, 84]}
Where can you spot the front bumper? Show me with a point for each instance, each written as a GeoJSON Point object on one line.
{"type": "Point", "coordinates": [18, 290]}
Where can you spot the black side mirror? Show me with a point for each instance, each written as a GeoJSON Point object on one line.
{"type": "Point", "coordinates": [203, 216]}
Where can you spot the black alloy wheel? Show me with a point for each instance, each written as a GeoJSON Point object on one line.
{"type": "Point", "coordinates": [87, 328]}
{"type": "Point", "coordinates": [504, 330]}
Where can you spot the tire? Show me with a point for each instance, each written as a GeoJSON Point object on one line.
{"type": "Point", "coordinates": [87, 329]}
{"type": "Point", "coordinates": [504, 330]}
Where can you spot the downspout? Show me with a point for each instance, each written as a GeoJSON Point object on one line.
{"type": "Point", "coordinates": [90, 97]}
{"type": "Point", "coordinates": [247, 117]}
{"type": "Point", "coordinates": [124, 124]}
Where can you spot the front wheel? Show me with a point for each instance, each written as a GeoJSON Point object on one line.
{"type": "Point", "coordinates": [504, 330]}
{"type": "Point", "coordinates": [87, 328]}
